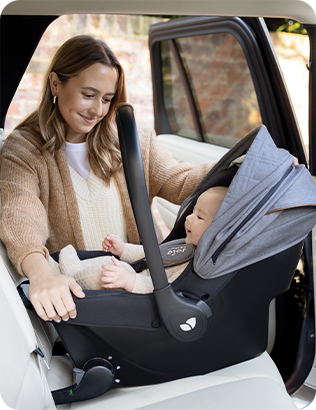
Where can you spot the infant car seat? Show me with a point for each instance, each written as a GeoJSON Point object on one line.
{"type": "Point", "coordinates": [216, 313]}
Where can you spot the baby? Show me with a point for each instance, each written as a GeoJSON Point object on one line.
{"type": "Point", "coordinates": [107, 272]}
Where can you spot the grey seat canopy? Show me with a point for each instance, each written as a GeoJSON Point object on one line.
{"type": "Point", "coordinates": [270, 206]}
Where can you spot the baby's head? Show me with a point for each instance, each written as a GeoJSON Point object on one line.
{"type": "Point", "coordinates": [203, 213]}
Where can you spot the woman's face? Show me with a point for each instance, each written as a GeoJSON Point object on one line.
{"type": "Point", "coordinates": [85, 99]}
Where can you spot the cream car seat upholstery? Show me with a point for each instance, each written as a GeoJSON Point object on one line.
{"type": "Point", "coordinates": [240, 387]}
{"type": "Point", "coordinates": [23, 376]}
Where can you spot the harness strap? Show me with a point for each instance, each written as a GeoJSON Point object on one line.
{"type": "Point", "coordinates": [172, 253]}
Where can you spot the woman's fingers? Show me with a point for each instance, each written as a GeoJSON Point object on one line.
{"type": "Point", "coordinates": [41, 311]}
{"type": "Point", "coordinates": [50, 292]}
{"type": "Point", "coordinates": [53, 301]}
{"type": "Point", "coordinates": [46, 311]}
{"type": "Point", "coordinates": [76, 289]}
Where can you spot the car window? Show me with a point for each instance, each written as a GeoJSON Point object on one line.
{"type": "Point", "coordinates": [208, 89]}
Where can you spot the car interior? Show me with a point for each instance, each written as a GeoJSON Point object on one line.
{"type": "Point", "coordinates": [275, 354]}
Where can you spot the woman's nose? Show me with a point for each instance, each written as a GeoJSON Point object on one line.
{"type": "Point", "coordinates": [96, 108]}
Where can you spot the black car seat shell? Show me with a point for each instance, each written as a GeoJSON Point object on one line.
{"type": "Point", "coordinates": [133, 338]}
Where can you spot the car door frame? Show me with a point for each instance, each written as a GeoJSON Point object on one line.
{"type": "Point", "coordinates": [280, 119]}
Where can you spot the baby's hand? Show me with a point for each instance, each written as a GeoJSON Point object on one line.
{"type": "Point", "coordinates": [113, 244]}
{"type": "Point", "coordinates": [117, 276]}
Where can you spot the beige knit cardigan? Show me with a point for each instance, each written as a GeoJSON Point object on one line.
{"type": "Point", "coordinates": [39, 207]}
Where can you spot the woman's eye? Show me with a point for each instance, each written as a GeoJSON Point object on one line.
{"type": "Point", "coordinates": [89, 95]}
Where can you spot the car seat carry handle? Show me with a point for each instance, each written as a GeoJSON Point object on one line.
{"type": "Point", "coordinates": [137, 189]}
{"type": "Point", "coordinates": [184, 318]}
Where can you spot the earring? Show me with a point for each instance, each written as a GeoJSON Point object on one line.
{"type": "Point", "coordinates": [54, 99]}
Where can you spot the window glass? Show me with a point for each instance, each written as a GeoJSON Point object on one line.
{"type": "Point", "coordinates": [222, 87]}
{"type": "Point", "coordinates": [175, 98]}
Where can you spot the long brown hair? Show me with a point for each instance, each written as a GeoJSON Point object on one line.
{"type": "Point", "coordinates": [74, 56]}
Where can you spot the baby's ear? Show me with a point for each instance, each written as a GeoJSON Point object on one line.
{"type": "Point", "coordinates": [69, 262]}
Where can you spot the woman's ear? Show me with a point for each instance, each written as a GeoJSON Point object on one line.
{"type": "Point", "coordinates": [54, 81]}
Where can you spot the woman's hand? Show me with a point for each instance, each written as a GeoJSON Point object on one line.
{"type": "Point", "coordinates": [117, 276]}
{"type": "Point", "coordinates": [114, 244]}
{"type": "Point", "coordinates": [50, 292]}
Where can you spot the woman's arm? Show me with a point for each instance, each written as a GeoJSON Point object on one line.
{"type": "Point", "coordinates": [166, 176]}
{"type": "Point", "coordinates": [50, 292]}
{"type": "Point", "coordinates": [23, 225]}
{"type": "Point", "coordinates": [25, 194]}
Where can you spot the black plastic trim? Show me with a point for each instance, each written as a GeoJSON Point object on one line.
{"type": "Point", "coordinates": [18, 44]}
{"type": "Point", "coordinates": [311, 30]}
{"type": "Point", "coordinates": [97, 378]}
{"type": "Point", "coordinates": [190, 93]}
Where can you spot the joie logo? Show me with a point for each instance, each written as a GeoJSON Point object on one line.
{"type": "Point", "coordinates": [172, 251]}
{"type": "Point", "coordinates": [189, 324]}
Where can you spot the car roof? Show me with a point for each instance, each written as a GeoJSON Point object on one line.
{"type": "Point", "coordinates": [303, 11]}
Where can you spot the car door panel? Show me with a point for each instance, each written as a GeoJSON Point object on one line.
{"type": "Point", "coordinates": [185, 150]}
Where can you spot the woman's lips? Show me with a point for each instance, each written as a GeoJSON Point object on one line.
{"type": "Point", "coordinates": [89, 120]}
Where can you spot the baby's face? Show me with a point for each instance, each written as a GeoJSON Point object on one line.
{"type": "Point", "coordinates": [203, 214]}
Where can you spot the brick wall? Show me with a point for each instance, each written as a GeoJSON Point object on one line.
{"type": "Point", "coordinates": [222, 84]}
{"type": "Point", "coordinates": [126, 36]}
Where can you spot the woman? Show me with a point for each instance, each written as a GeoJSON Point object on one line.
{"type": "Point", "coordinates": [62, 180]}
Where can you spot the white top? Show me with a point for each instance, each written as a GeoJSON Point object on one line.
{"type": "Point", "coordinates": [77, 157]}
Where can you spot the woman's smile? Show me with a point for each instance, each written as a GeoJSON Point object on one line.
{"type": "Point", "coordinates": [89, 120]}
